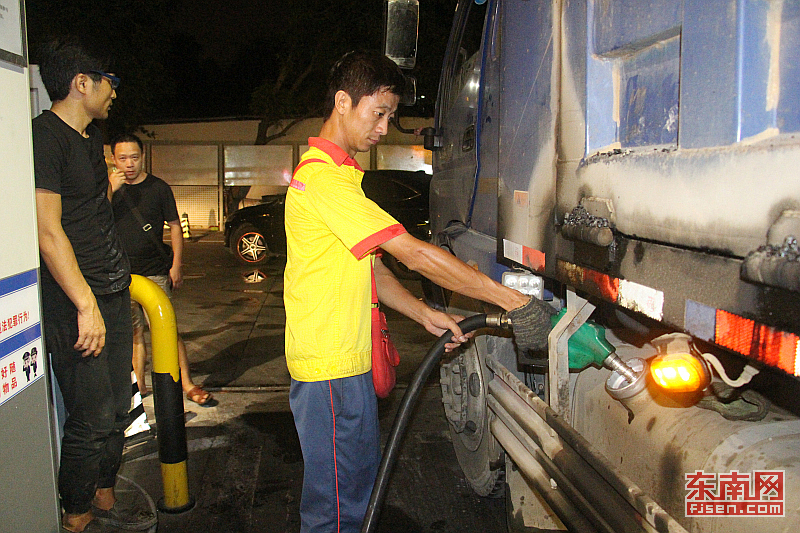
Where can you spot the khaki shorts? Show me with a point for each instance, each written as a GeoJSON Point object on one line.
{"type": "Point", "coordinates": [137, 314]}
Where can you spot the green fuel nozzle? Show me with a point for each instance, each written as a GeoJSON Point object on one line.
{"type": "Point", "coordinates": [588, 346]}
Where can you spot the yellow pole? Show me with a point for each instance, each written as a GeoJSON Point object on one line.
{"type": "Point", "coordinates": [167, 394]}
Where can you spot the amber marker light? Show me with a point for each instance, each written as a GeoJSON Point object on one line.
{"type": "Point", "coordinates": [679, 372]}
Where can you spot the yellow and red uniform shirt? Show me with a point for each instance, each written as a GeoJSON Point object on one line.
{"type": "Point", "coordinates": [331, 231]}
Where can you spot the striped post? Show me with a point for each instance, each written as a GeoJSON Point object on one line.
{"type": "Point", "coordinates": [138, 416]}
{"type": "Point", "coordinates": [185, 226]}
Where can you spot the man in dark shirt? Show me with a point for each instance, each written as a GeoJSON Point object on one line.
{"type": "Point", "coordinates": [142, 204]}
{"type": "Point", "coordinates": [84, 281]}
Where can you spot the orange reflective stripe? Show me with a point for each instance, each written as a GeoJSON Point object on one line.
{"type": "Point", "coordinates": [734, 332]}
{"type": "Point", "coordinates": [777, 348]}
{"type": "Point", "coordinates": [774, 347]}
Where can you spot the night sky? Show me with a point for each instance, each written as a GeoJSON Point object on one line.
{"type": "Point", "coordinates": [189, 59]}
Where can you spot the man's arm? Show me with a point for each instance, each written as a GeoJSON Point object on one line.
{"type": "Point", "coordinates": [530, 317]}
{"type": "Point", "coordinates": [176, 239]}
{"type": "Point", "coordinates": [392, 293]}
{"type": "Point", "coordinates": [449, 272]}
{"type": "Point", "coordinates": [60, 259]}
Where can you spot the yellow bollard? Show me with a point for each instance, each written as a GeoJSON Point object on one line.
{"type": "Point", "coordinates": [167, 394]}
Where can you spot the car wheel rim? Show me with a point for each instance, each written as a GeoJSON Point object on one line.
{"type": "Point", "coordinates": [252, 247]}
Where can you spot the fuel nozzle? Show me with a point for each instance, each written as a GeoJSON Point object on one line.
{"type": "Point", "coordinates": [588, 346]}
{"type": "Point", "coordinates": [621, 367]}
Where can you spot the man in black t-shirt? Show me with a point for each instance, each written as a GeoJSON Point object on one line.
{"type": "Point", "coordinates": [142, 204]}
{"type": "Point", "coordinates": [85, 276]}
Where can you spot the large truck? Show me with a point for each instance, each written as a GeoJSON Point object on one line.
{"type": "Point", "coordinates": [637, 164]}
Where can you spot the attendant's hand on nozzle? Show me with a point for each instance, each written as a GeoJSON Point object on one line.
{"type": "Point", "coordinates": [531, 324]}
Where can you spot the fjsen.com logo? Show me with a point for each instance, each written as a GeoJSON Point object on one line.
{"type": "Point", "coordinates": [735, 493]}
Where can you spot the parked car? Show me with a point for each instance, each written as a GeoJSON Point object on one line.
{"type": "Point", "coordinates": [255, 233]}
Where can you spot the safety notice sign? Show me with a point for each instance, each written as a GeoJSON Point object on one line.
{"type": "Point", "coordinates": [21, 356]}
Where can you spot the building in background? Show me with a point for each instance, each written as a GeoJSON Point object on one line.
{"type": "Point", "coordinates": [214, 167]}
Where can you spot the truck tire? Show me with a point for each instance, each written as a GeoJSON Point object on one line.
{"type": "Point", "coordinates": [463, 381]}
{"type": "Point", "coordinates": [249, 246]}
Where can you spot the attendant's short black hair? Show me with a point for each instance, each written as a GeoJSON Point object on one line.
{"type": "Point", "coordinates": [362, 73]}
{"type": "Point", "coordinates": [126, 138]}
{"type": "Point", "coordinates": [63, 58]}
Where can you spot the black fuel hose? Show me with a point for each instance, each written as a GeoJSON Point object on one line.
{"type": "Point", "coordinates": [405, 410]}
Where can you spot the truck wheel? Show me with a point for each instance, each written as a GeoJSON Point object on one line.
{"type": "Point", "coordinates": [463, 382]}
{"type": "Point", "coordinates": [249, 245]}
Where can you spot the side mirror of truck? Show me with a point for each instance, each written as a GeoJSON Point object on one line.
{"type": "Point", "coordinates": [400, 32]}
{"type": "Point", "coordinates": [409, 96]}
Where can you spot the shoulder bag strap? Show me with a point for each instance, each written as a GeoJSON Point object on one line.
{"type": "Point", "coordinates": [144, 225]}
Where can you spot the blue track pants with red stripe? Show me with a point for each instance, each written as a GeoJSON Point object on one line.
{"type": "Point", "coordinates": [337, 422]}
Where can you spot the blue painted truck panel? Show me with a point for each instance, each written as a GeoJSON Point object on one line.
{"type": "Point", "coordinates": [674, 125]}
{"type": "Point", "coordinates": [665, 118]}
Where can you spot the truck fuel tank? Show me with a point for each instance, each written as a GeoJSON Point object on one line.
{"type": "Point", "coordinates": [692, 461]}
